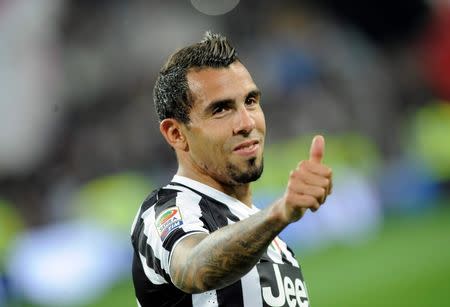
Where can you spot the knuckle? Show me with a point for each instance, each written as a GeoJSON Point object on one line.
{"type": "Point", "coordinates": [317, 192]}
{"type": "Point", "coordinates": [291, 187]}
{"type": "Point", "coordinates": [303, 165]}
{"type": "Point", "coordinates": [311, 201]}
{"type": "Point", "coordinates": [302, 200]}
{"type": "Point", "coordinates": [291, 174]}
{"type": "Point", "coordinates": [314, 203]}
{"type": "Point", "coordinates": [322, 191]}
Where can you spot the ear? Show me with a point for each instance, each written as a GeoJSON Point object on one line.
{"type": "Point", "coordinates": [171, 130]}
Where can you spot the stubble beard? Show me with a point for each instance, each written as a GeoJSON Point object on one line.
{"type": "Point", "coordinates": [253, 172]}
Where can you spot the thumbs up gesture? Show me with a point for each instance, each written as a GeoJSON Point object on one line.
{"type": "Point", "coordinates": [309, 184]}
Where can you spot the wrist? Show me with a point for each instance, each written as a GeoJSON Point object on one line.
{"type": "Point", "coordinates": [276, 216]}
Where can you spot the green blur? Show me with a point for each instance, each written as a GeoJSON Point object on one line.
{"type": "Point", "coordinates": [408, 264]}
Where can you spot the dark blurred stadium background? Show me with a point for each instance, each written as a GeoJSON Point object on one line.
{"type": "Point", "coordinates": [80, 147]}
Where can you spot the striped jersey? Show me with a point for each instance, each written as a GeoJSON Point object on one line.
{"type": "Point", "coordinates": [185, 207]}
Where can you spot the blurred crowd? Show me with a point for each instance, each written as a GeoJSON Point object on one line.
{"type": "Point", "coordinates": [80, 146]}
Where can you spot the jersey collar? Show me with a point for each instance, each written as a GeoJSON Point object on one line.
{"type": "Point", "coordinates": [212, 192]}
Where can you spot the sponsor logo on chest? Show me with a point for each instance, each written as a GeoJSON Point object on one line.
{"type": "Point", "coordinates": [285, 287]}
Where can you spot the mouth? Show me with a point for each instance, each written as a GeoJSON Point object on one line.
{"type": "Point", "coordinates": [247, 148]}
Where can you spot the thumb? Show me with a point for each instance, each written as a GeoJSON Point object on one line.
{"type": "Point", "coordinates": [317, 149]}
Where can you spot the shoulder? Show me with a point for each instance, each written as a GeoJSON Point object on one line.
{"type": "Point", "coordinates": [171, 200]}
{"type": "Point", "coordinates": [167, 196]}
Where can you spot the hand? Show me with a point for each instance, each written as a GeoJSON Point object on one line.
{"type": "Point", "coordinates": [309, 184]}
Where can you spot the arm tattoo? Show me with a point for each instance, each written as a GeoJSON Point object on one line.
{"type": "Point", "coordinates": [205, 262]}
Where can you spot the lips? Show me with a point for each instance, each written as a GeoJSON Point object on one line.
{"type": "Point", "coordinates": [247, 149]}
{"type": "Point", "coordinates": [246, 145]}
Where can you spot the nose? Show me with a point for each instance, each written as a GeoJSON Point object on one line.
{"type": "Point", "coordinates": [245, 122]}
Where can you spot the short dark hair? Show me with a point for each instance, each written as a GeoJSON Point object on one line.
{"type": "Point", "coordinates": [171, 92]}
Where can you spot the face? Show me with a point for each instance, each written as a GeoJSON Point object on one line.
{"type": "Point", "coordinates": [227, 127]}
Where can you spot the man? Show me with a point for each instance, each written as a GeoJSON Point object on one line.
{"type": "Point", "coordinates": [199, 241]}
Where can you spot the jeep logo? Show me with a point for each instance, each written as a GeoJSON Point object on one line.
{"type": "Point", "coordinates": [291, 292]}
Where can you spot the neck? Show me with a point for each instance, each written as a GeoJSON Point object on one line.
{"type": "Point", "coordinates": [241, 192]}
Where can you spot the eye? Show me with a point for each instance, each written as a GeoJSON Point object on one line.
{"type": "Point", "coordinates": [220, 109]}
{"type": "Point", "coordinates": [251, 101]}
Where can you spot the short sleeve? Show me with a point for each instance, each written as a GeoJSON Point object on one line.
{"type": "Point", "coordinates": [164, 225]}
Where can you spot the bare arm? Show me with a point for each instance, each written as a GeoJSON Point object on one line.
{"type": "Point", "coordinates": [203, 262]}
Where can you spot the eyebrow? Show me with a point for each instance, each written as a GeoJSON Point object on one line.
{"type": "Point", "coordinates": [254, 93]}
{"type": "Point", "coordinates": [227, 102]}
{"type": "Point", "coordinates": [218, 103]}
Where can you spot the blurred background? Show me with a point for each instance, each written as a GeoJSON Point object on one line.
{"type": "Point", "coordinates": [80, 146]}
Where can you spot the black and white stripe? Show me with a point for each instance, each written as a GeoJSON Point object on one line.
{"type": "Point", "coordinates": [202, 209]}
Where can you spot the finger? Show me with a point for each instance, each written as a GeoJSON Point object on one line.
{"type": "Point", "coordinates": [309, 178]}
{"type": "Point", "coordinates": [328, 190]}
{"type": "Point", "coordinates": [316, 168]}
{"type": "Point", "coordinates": [317, 149]}
{"type": "Point", "coordinates": [297, 204]}
{"type": "Point", "coordinates": [306, 201]}
{"type": "Point", "coordinates": [306, 189]}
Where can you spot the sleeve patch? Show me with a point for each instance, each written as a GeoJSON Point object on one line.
{"type": "Point", "coordinates": [167, 221]}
